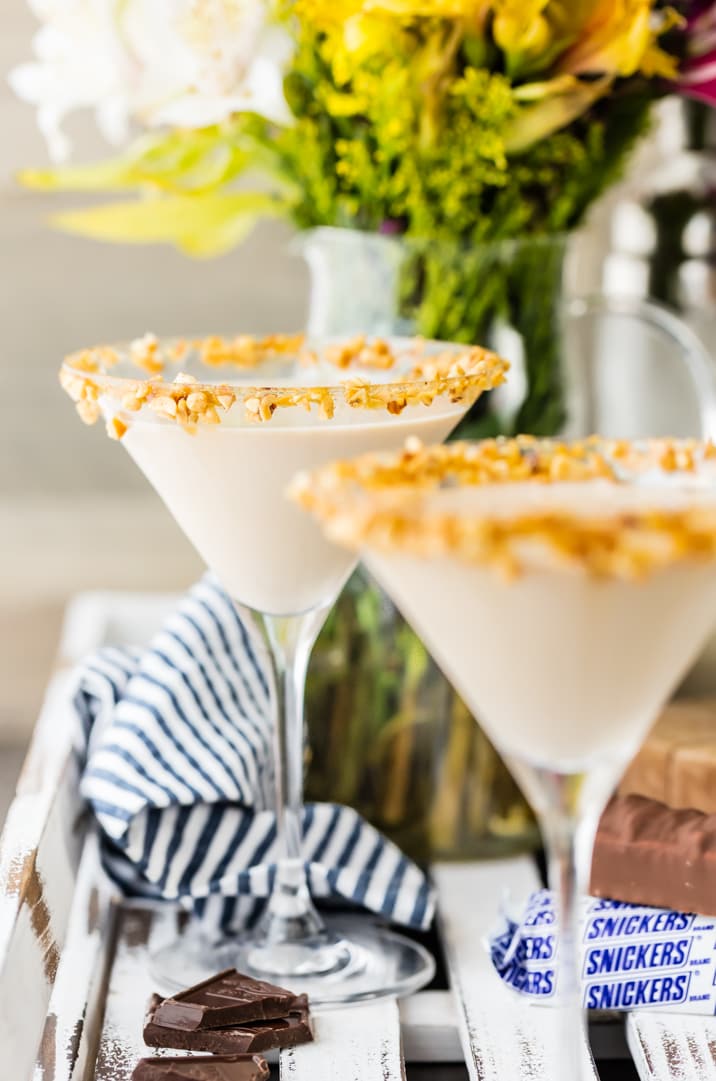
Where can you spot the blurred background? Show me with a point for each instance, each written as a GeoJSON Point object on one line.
{"type": "Point", "coordinates": [75, 513]}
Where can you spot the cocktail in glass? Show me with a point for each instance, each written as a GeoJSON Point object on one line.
{"type": "Point", "coordinates": [220, 428]}
{"type": "Point", "coordinates": [565, 589]}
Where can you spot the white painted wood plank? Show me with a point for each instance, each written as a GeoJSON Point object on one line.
{"type": "Point", "coordinates": [428, 1022]}
{"type": "Point", "coordinates": [504, 1038]}
{"type": "Point", "coordinates": [42, 840]}
{"type": "Point", "coordinates": [69, 1038]}
{"type": "Point", "coordinates": [110, 617]}
{"type": "Point", "coordinates": [360, 1043]}
{"type": "Point", "coordinates": [39, 853]}
{"type": "Point", "coordinates": [48, 776]}
{"type": "Point", "coordinates": [672, 1047]}
{"type": "Point", "coordinates": [130, 986]}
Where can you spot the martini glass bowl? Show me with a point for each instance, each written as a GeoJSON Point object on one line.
{"type": "Point", "coordinates": [564, 588]}
{"type": "Point", "coordinates": [219, 427]}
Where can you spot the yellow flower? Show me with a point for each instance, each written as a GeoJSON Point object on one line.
{"type": "Point", "coordinates": [331, 13]}
{"type": "Point", "coordinates": [619, 38]}
{"type": "Point", "coordinates": [549, 107]}
{"type": "Point", "coordinates": [521, 29]}
{"type": "Point", "coordinates": [438, 9]}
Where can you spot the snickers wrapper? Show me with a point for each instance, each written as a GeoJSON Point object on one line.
{"type": "Point", "coordinates": [630, 956]}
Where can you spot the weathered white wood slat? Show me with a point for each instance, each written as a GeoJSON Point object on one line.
{"type": "Point", "coordinates": [672, 1047]}
{"type": "Point", "coordinates": [40, 848]}
{"type": "Point", "coordinates": [104, 618]}
{"type": "Point", "coordinates": [39, 853]}
{"type": "Point", "coordinates": [503, 1037]}
{"type": "Point", "coordinates": [361, 1043]}
{"type": "Point", "coordinates": [69, 1038]}
{"type": "Point", "coordinates": [129, 988]}
{"type": "Point", "coordinates": [428, 1023]}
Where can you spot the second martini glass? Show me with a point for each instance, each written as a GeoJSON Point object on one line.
{"type": "Point", "coordinates": [565, 589]}
{"type": "Point", "coordinates": [221, 454]}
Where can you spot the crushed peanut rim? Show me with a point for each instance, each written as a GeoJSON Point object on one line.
{"type": "Point", "coordinates": [140, 376]}
{"type": "Point", "coordinates": [616, 509]}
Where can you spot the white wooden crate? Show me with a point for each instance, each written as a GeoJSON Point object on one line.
{"type": "Point", "coordinates": [74, 977]}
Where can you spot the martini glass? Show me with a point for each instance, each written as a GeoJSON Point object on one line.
{"type": "Point", "coordinates": [219, 428]}
{"type": "Point", "coordinates": [564, 589]}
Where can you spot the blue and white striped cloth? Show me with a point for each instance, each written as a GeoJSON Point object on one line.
{"type": "Point", "coordinates": [176, 742]}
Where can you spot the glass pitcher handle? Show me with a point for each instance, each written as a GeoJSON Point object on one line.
{"type": "Point", "coordinates": [657, 323]}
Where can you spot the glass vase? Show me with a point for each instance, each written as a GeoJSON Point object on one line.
{"type": "Point", "coordinates": [388, 734]}
{"type": "Point", "coordinates": [506, 295]}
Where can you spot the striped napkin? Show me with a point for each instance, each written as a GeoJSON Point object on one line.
{"type": "Point", "coordinates": [176, 747]}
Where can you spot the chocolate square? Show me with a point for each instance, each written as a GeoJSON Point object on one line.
{"type": "Point", "coordinates": [203, 1068]}
{"type": "Point", "coordinates": [253, 1036]}
{"type": "Point", "coordinates": [229, 998]}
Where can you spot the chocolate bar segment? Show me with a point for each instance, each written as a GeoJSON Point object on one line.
{"type": "Point", "coordinates": [230, 998]}
{"type": "Point", "coordinates": [203, 1068]}
{"type": "Point", "coordinates": [254, 1036]}
{"type": "Point", "coordinates": [677, 762]}
{"type": "Point", "coordinates": [649, 854]}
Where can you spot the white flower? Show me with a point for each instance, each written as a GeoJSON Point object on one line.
{"type": "Point", "coordinates": [184, 63]}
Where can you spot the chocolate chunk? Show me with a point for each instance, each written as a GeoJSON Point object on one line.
{"type": "Point", "coordinates": [202, 1068]}
{"type": "Point", "coordinates": [648, 854]}
{"type": "Point", "coordinates": [253, 1036]}
{"type": "Point", "coordinates": [230, 998]}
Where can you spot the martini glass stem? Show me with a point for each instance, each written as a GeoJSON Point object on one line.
{"type": "Point", "coordinates": [568, 806]}
{"type": "Point", "coordinates": [290, 916]}
{"type": "Point", "coordinates": [565, 879]}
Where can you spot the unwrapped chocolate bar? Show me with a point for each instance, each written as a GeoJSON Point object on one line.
{"type": "Point", "coordinates": [290, 1031]}
{"type": "Point", "coordinates": [677, 762]}
{"type": "Point", "coordinates": [202, 1068]}
{"type": "Point", "coordinates": [229, 998]}
{"type": "Point", "coordinates": [648, 854]}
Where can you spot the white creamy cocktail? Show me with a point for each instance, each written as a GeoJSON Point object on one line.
{"type": "Point", "coordinates": [530, 648]}
{"type": "Point", "coordinates": [220, 428]}
{"type": "Point", "coordinates": [564, 589]}
{"type": "Point", "coordinates": [226, 487]}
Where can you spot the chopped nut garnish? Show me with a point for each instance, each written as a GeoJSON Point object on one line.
{"type": "Point", "coordinates": [382, 502]}
{"type": "Point", "coordinates": [459, 374]}
{"type": "Point", "coordinates": [88, 411]}
{"type": "Point", "coordinates": [146, 354]}
{"type": "Point", "coordinates": [116, 428]}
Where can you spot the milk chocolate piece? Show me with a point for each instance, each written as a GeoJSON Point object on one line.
{"type": "Point", "coordinates": [253, 1036]}
{"type": "Point", "coordinates": [230, 998]}
{"type": "Point", "coordinates": [202, 1068]}
{"type": "Point", "coordinates": [677, 761]}
{"type": "Point", "coordinates": [649, 854]}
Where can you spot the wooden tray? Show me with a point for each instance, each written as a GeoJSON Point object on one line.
{"type": "Point", "coordinates": [74, 977]}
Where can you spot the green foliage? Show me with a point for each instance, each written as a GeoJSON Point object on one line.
{"type": "Point", "coordinates": [180, 162]}
{"type": "Point", "coordinates": [201, 227]}
{"type": "Point", "coordinates": [433, 159]}
{"type": "Point", "coordinates": [186, 183]}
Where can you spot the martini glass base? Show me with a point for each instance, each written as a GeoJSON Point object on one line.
{"type": "Point", "coordinates": [353, 961]}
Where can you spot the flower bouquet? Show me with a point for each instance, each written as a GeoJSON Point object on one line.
{"type": "Point", "coordinates": [467, 138]}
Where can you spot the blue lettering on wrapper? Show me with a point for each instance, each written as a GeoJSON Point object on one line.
{"type": "Point", "coordinates": [636, 924]}
{"type": "Point", "coordinates": [537, 983]}
{"type": "Point", "coordinates": [539, 919]}
{"type": "Point", "coordinates": [533, 948]}
{"type": "Point", "coordinates": [637, 956]}
{"type": "Point", "coordinates": [631, 994]}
